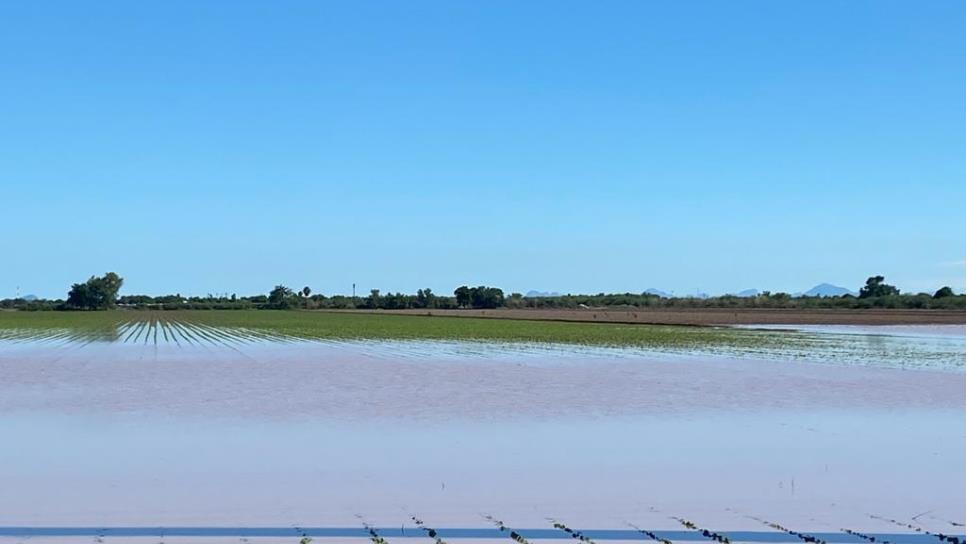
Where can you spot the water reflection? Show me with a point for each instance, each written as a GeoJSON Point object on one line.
{"type": "Point", "coordinates": [180, 424]}
{"type": "Point", "coordinates": [909, 347]}
{"type": "Point", "coordinates": [593, 473]}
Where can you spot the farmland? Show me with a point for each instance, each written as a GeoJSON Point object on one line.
{"type": "Point", "coordinates": [369, 326]}
{"type": "Point", "coordinates": [709, 316]}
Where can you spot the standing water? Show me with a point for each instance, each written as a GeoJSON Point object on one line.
{"type": "Point", "coordinates": [196, 432]}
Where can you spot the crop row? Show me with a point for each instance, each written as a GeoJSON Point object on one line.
{"type": "Point", "coordinates": [950, 539]}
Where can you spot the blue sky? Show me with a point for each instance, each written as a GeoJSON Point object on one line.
{"type": "Point", "coordinates": [209, 147]}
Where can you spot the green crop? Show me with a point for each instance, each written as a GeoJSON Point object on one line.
{"type": "Point", "coordinates": [361, 326]}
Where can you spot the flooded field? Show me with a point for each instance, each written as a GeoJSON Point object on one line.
{"type": "Point", "coordinates": [177, 430]}
{"type": "Point", "coordinates": [175, 334]}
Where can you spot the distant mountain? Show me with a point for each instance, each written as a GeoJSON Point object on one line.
{"type": "Point", "coordinates": [827, 290]}
{"type": "Point", "coordinates": [30, 298]}
{"type": "Point", "coordinates": [658, 292]}
{"type": "Point", "coordinates": [539, 294]}
{"type": "Point", "coordinates": [748, 293]}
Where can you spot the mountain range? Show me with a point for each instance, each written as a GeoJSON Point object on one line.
{"type": "Point", "coordinates": [538, 294]}
{"type": "Point", "coordinates": [820, 290]}
{"type": "Point", "coordinates": [827, 290]}
{"type": "Point", "coordinates": [748, 293]}
{"type": "Point", "coordinates": [658, 292]}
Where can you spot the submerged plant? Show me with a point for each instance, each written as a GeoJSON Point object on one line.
{"type": "Point", "coordinates": [650, 534]}
{"type": "Point", "coordinates": [503, 528]}
{"type": "Point", "coordinates": [801, 536]}
{"type": "Point", "coordinates": [865, 537]}
{"type": "Point", "coordinates": [306, 539]}
{"type": "Point", "coordinates": [373, 535]}
{"type": "Point", "coordinates": [428, 530]}
{"type": "Point", "coordinates": [942, 537]}
{"type": "Point", "coordinates": [704, 532]}
{"type": "Point", "coordinates": [573, 533]}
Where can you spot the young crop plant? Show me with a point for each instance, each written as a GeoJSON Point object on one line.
{"type": "Point", "coordinates": [721, 539]}
{"type": "Point", "coordinates": [650, 534]}
{"type": "Point", "coordinates": [950, 539]}
{"type": "Point", "coordinates": [865, 537]}
{"type": "Point", "coordinates": [801, 536]}
{"type": "Point", "coordinates": [515, 536]}
{"type": "Point", "coordinates": [573, 533]}
{"type": "Point", "coordinates": [428, 530]}
{"type": "Point", "coordinates": [373, 535]}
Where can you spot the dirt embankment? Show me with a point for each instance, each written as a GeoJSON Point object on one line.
{"type": "Point", "coordinates": [708, 316]}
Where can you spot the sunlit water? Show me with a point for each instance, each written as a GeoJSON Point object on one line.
{"type": "Point", "coordinates": [930, 347]}
{"type": "Point", "coordinates": [234, 428]}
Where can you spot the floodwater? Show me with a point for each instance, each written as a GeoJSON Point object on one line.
{"type": "Point", "coordinates": [195, 434]}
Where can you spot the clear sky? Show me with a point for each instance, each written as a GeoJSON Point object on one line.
{"type": "Point", "coordinates": [208, 147]}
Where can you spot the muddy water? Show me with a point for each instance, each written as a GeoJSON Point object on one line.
{"type": "Point", "coordinates": [205, 427]}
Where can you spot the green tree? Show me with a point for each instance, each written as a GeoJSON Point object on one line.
{"type": "Point", "coordinates": [876, 287]}
{"type": "Point", "coordinates": [944, 292]}
{"type": "Point", "coordinates": [515, 300]}
{"type": "Point", "coordinates": [486, 297]}
{"type": "Point", "coordinates": [280, 297]}
{"type": "Point", "coordinates": [430, 298]}
{"type": "Point", "coordinates": [420, 298]}
{"type": "Point", "coordinates": [374, 300]}
{"type": "Point", "coordinates": [462, 295]}
{"type": "Point", "coordinates": [304, 295]}
{"type": "Point", "coordinates": [79, 295]}
{"type": "Point", "coordinates": [97, 293]}
{"type": "Point", "coordinates": [425, 298]}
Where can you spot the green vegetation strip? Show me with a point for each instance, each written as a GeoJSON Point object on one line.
{"type": "Point", "coordinates": [353, 326]}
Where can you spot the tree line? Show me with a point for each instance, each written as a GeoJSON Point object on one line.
{"type": "Point", "coordinates": [100, 293]}
{"type": "Point", "coordinates": [876, 293]}
{"type": "Point", "coordinates": [282, 297]}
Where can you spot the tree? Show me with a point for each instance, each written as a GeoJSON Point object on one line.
{"type": "Point", "coordinates": [420, 299]}
{"type": "Point", "coordinates": [304, 295]}
{"type": "Point", "coordinates": [479, 297]}
{"type": "Point", "coordinates": [79, 295]}
{"type": "Point", "coordinates": [430, 298]}
{"type": "Point", "coordinates": [96, 293]}
{"type": "Point", "coordinates": [462, 295]}
{"type": "Point", "coordinates": [486, 297]}
{"type": "Point", "coordinates": [279, 297]}
{"type": "Point", "coordinates": [373, 300]}
{"type": "Point", "coordinates": [944, 292]}
{"type": "Point", "coordinates": [876, 287]}
{"type": "Point", "coordinates": [515, 301]}
{"type": "Point", "coordinates": [425, 298]}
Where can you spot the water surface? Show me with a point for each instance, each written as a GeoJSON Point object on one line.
{"type": "Point", "coordinates": [234, 431]}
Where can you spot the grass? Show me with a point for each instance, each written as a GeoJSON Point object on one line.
{"type": "Point", "coordinates": [340, 325]}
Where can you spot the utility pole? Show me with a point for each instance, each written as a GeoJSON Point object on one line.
{"type": "Point", "coordinates": [353, 290]}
